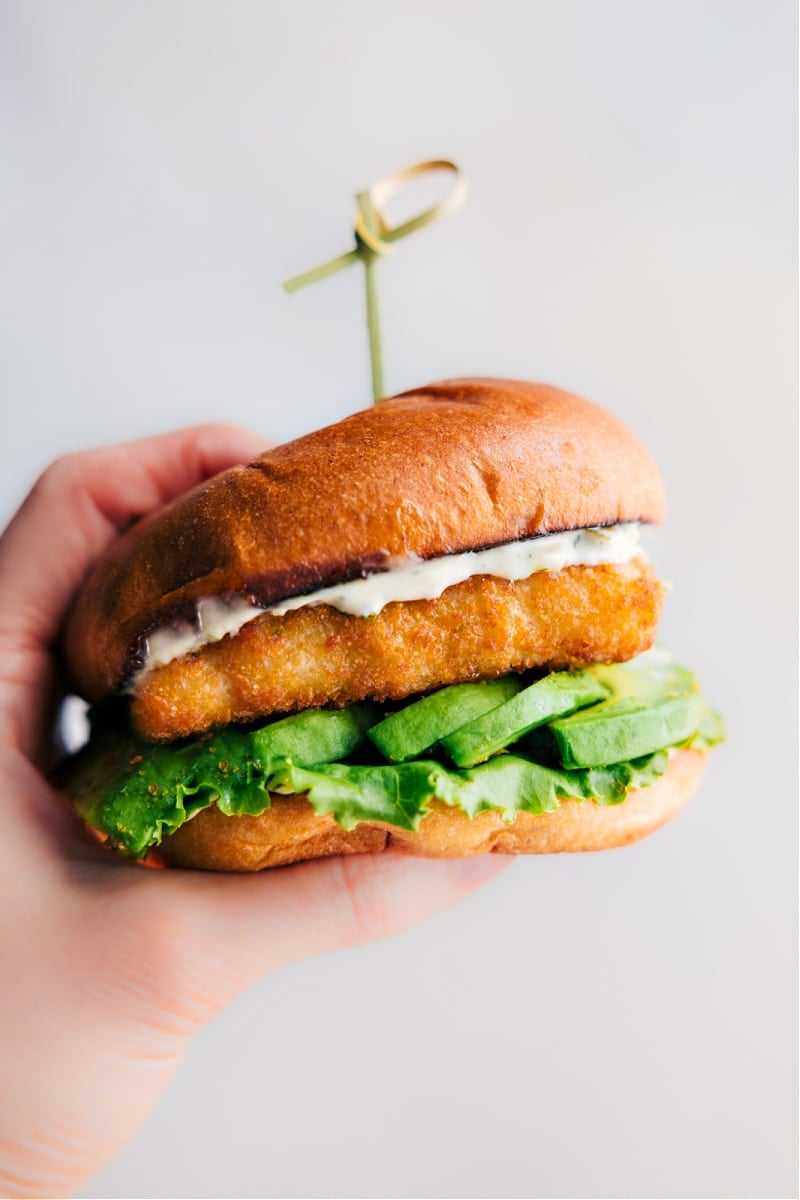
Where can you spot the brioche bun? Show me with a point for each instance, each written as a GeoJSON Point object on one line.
{"type": "Point", "coordinates": [457, 466]}
{"type": "Point", "coordinates": [291, 832]}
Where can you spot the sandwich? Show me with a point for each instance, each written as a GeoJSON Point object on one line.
{"type": "Point", "coordinates": [429, 627]}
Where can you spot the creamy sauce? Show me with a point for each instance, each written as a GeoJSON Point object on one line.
{"type": "Point", "coordinates": [404, 579]}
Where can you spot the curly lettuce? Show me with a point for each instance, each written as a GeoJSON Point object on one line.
{"type": "Point", "coordinates": [136, 793]}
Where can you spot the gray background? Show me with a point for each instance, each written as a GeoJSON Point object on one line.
{"type": "Point", "coordinates": [614, 1025]}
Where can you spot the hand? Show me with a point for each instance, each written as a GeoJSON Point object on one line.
{"type": "Point", "coordinates": [110, 968]}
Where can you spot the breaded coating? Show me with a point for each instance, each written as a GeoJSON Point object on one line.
{"type": "Point", "coordinates": [478, 629]}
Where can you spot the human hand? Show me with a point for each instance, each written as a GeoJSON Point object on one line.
{"type": "Point", "coordinates": [110, 968]}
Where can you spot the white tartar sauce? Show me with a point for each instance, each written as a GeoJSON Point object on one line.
{"type": "Point", "coordinates": [407, 578]}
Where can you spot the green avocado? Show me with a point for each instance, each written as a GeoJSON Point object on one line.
{"type": "Point", "coordinates": [136, 793]}
{"type": "Point", "coordinates": [653, 703]}
{"type": "Point", "coordinates": [413, 730]}
{"type": "Point", "coordinates": [316, 735]}
{"type": "Point", "coordinates": [554, 696]}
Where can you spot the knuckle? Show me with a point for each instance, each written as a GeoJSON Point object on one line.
{"type": "Point", "coordinates": [62, 475]}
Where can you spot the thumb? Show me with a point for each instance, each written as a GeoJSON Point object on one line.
{"type": "Point", "coordinates": [75, 509]}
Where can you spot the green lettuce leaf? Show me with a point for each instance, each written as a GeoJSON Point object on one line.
{"type": "Point", "coordinates": [396, 794]}
{"type": "Point", "coordinates": [512, 784]}
{"type": "Point", "coordinates": [136, 793]}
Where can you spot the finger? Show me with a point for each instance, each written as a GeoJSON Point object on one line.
{"type": "Point", "coordinates": [82, 500]}
{"type": "Point", "coordinates": [228, 932]}
{"type": "Point", "coordinates": [75, 509]}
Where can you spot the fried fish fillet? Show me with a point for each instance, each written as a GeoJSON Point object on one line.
{"type": "Point", "coordinates": [478, 629]}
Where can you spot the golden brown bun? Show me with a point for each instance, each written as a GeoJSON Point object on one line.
{"type": "Point", "coordinates": [290, 832]}
{"type": "Point", "coordinates": [456, 466]}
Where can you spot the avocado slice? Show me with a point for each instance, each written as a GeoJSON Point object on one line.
{"type": "Point", "coordinates": [556, 695]}
{"type": "Point", "coordinates": [412, 730]}
{"type": "Point", "coordinates": [654, 703]}
{"type": "Point", "coordinates": [316, 735]}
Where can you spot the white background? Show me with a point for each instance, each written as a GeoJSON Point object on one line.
{"type": "Point", "coordinates": [616, 1025]}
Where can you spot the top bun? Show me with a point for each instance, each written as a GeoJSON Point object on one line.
{"type": "Point", "coordinates": [456, 466]}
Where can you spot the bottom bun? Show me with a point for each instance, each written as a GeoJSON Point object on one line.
{"type": "Point", "coordinates": [289, 831]}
